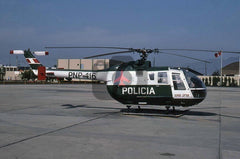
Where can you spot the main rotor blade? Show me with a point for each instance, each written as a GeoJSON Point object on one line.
{"type": "Point", "coordinates": [111, 53]}
{"type": "Point", "coordinates": [86, 47]}
{"type": "Point", "coordinates": [185, 57]}
{"type": "Point", "coordinates": [132, 49]}
{"type": "Point", "coordinates": [234, 52]}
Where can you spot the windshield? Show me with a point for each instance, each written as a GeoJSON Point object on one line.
{"type": "Point", "coordinates": [193, 80]}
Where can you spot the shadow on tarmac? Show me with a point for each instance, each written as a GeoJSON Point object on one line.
{"type": "Point", "coordinates": [146, 112]}
{"type": "Point", "coordinates": [176, 113]}
{"type": "Point", "coordinates": [198, 113]}
{"type": "Point", "coordinates": [70, 106]}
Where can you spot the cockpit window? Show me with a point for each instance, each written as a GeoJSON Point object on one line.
{"type": "Point", "coordinates": [177, 82]}
{"type": "Point", "coordinates": [162, 77]}
{"type": "Point", "coordinates": [193, 81]}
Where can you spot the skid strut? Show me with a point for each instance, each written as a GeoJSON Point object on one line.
{"type": "Point", "coordinates": [128, 106]}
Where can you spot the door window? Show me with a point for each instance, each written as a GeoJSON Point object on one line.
{"type": "Point", "coordinates": [151, 76]}
{"type": "Point", "coordinates": [162, 78]}
{"type": "Point", "coordinates": [177, 82]}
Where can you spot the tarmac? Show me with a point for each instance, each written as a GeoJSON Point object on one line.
{"type": "Point", "coordinates": [71, 122]}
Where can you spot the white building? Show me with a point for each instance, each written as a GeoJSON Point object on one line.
{"type": "Point", "coordinates": [12, 73]}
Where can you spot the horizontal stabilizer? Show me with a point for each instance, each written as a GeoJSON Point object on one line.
{"type": "Point", "coordinates": [16, 52]}
{"type": "Point", "coordinates": [41, 53]}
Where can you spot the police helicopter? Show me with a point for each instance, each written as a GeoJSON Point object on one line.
{"type": "Point", "coordinates": [138, 83]}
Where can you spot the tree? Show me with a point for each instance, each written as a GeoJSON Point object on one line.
{"type": "Point", "coordinates": [2, 73]}
{"type": "Point", "coordinates": [28, 74]}
{"type": "Point", "coordinates": [233, 83]}
{"type": "Point", "coordinates": [210, 81]}
{"type": "Point", "coordinates": [224, 81]}
{"type": "Point", "coordinates": [216, 73]}
{"type": "Point", "coordinates": [215, 81]}
{"type": "Point", "coordinates": [206, 81]}
{"type": "Point", "coordinates": [229, 81]}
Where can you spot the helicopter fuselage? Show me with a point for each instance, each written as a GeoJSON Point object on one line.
{"type": "Point", "coordinates": [153, 86]}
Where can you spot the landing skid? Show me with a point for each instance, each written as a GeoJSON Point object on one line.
{"type": "Point", "coordinates": [128, 107]}
{"type": "Point", "coordinates": [154, 112]}
{"type": "Point", "coordinates": [168, 108]}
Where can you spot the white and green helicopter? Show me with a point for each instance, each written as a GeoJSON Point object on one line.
{"type": "Point", "coordinates": [138, 83]}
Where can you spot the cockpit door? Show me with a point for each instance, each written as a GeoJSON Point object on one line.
{"type": "Point", "coordinates": [179, 86]}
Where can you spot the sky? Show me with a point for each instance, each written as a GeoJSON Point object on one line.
{"type": "Point", "coordinates": [194, 24]}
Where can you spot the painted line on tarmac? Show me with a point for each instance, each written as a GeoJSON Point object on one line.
{"type": "Point", "coordinates": [19, 109]}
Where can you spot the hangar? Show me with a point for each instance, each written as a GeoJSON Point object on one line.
{"type": "Point", "coordinates": [231, 69]}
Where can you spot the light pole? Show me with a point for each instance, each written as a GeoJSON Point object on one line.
{"type": "Point", "coordinates": [221, 81]}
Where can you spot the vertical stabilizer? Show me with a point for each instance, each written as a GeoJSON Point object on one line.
{"type": "Point", "coordinates": [32, 61]}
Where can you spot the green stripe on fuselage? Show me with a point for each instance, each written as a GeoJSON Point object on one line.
{"type": "Point", "coordinates": [133, 94]}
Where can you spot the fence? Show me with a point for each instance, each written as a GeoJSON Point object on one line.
{"type": "Point", "coordinates": [227, 81]}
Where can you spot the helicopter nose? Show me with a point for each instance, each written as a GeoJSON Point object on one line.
{"type": "Point", "coordinates": [199, 93]}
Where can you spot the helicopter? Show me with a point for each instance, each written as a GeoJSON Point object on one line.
{"type": "Point", "coordinates": [139, 83]}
